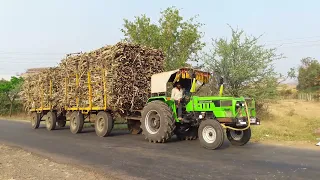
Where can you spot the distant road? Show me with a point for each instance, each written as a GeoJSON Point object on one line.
{"type": "Point", "coordinates": [132, 156]}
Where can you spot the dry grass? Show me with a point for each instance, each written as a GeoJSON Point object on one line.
{"type": "Point", "coordinates": [289, 121]}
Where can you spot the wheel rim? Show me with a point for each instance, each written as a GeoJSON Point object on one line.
{"type": "Point", "coordinates": [100, 124]}
{"type": "Point", "coordinates": [209, 134]}
{"type": "Point", "coordinates": [73, 123]}
{"type": "Point", "coordinates": [236, 135]}
{"type": "Point", "coordinates": [49, 122]}
{"type": "Point", "coordinates": [33, 121]}
{"type": "Point", "coordinates": [152, 122]}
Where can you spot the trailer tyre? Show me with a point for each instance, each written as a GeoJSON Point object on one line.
{"type": "Point", "coordinates": [211, 134]}
{"type": "Point", "coordinates": [157, 122]}
{"type": "Point", "coordinates": [51, 121]}
{"type": "Point", "coordinates": [76, 122]}
{"type": "Point", "coordinates": [35, 120]}
{"type": "Point", "coordinates": [239, 138]}
{"type": "Point", "coordinates": [103, 124]}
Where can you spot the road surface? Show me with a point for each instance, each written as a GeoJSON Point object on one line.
{"type": "Point", "coordinates": [131, 156]}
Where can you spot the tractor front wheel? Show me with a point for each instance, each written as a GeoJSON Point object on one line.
{"type": "Point", "coordinates": [211, 134]}
{"type": "Point", "coordinates": [157, 122]}
{"type": "Point", "coordinates": [239, 138]}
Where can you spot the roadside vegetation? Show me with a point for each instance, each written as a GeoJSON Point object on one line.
{"type": "Point", "coordinates": [286, 113]}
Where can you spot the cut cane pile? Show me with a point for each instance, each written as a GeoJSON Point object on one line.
{"type": "Point", "coordinates": [125, 68]}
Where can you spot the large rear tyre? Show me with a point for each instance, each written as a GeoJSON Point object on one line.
{"type": "Point", "coordinates": [51, 121]}
{"type": "Point", "coordinates": [157, 122]}
{"type": "Point", "coordinates": [76, 122]}
{"type": "Point", "coordinates": [239, 138]}
{"type": "Point", "coordinates": [35, 120]}
{"type": "Point", "coordinates": [134, 126]}
{"type": "Point", "coordinates": [103, 124]}
{"type": "Point", "coordinates": [211, 134]}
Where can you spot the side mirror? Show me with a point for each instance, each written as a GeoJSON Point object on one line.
{"type": "Point", "coordinates": [221, 80]}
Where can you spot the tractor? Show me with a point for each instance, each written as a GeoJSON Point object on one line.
{"type": "Point", "coordinates": [206, 118]}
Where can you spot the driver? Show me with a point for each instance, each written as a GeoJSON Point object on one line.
{"type": "Point", "coordinates": [177, 95]}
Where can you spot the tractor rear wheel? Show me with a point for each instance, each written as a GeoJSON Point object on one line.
{"type": "Point", "coordinates": [103, 124]}
{"type": "Point", "coordinates": [211, 134]}
{"type": "Point", "coordinates": [76, 122]}
{"type": "Point", "coordinates": [134, 126]}
{"type": "Point", "coordinates": [186, 133]}
{"type": "Point", "coordinates": [35, 120]}
{"type": "Point", "coordinates": [51, 120]}
{"type": "Point", "coordinates": [157, 122]}
{"type": "Point", "coordinates": [239, 138]}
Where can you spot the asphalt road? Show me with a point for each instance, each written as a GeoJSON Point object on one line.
{"type": "Point", "coordinates": [132, 156]}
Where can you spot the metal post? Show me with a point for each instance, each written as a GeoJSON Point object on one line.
{"type": "Point", "coordinates": [90, 90]}
{"type": "Point", "coordinates": [104, 74]}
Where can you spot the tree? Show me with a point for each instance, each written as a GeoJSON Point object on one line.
{"type": "Point", "coordinates": [245, 66]}
{"type": "Point", "coordinates": [10, 89]}
{"type": "Point", "coordinates": [178, 39]}
{"type": "Point", "coordinates": [309, 75]}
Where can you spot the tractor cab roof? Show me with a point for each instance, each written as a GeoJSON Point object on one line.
{"type": "Point", "coordinates": [159, 81]}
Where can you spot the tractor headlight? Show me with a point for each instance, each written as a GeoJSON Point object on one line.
{"type": "Point", "coordinates": [239, 104]}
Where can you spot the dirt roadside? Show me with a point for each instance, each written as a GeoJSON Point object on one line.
{"type": "Point", "coordinates": [17, 164]}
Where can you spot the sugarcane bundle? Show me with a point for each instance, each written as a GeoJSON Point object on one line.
{"type": "Point", "coordinates": [126, 70]}
{"type": "Point", "coordinates": [122, 72]}
{"type": "Point", "coordinates": [42, 89]}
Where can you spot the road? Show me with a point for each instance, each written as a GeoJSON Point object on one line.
{"type": "Point", "coordinates": [131, 156]}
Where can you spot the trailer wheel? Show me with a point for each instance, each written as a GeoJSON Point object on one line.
{"type": "Point", "coordinates": [103, 124]}
{"type": "Point", "coordinates": [239, 138]}
{"type": "Point", "coordinates": [157, 122]}
{"type": "Point", "coordinates": [51, 121]}
{"type": "Point", "coordinates": [35, 120]}
{"type": "Point", "coordinates": [76, 122]}
{"type": "Point", "coordinates": [134, 126]}
{"type": "Point", "coordinates": [211, 134]}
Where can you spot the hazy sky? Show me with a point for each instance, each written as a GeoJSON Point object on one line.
{"type": "Point", "coordinates": [38, 33]}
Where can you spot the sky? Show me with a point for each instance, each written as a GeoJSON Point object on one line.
{"type": "Point", "coordinates": [38, 33]}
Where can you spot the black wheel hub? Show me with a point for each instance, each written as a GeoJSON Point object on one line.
{"type": "Point", "coordinates": [155, 123]}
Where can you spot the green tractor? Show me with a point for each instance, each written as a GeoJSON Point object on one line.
{"type": "Point", "coordinates": [202, 117]}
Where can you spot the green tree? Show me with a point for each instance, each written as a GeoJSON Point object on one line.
{"type": "Point", "coordinates": [178, 39]}
{"type": "Point", "coordinates": [309, 75]}
{"type": "Point", "coordinates": [10, 90]}
{"type": "Point", "coordinates": [246, 66]}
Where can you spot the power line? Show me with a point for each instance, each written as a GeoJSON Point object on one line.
{"type": "Point", "coordinates": [292, 43]}
{"type": "Point", "coordinates": [293, 39]}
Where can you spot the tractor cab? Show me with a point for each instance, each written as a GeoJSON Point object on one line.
{"type": "Point", "coordinates": [190, 79]}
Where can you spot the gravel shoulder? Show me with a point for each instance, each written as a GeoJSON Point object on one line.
{"type": "Point", "coordinates": [19, 164]}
